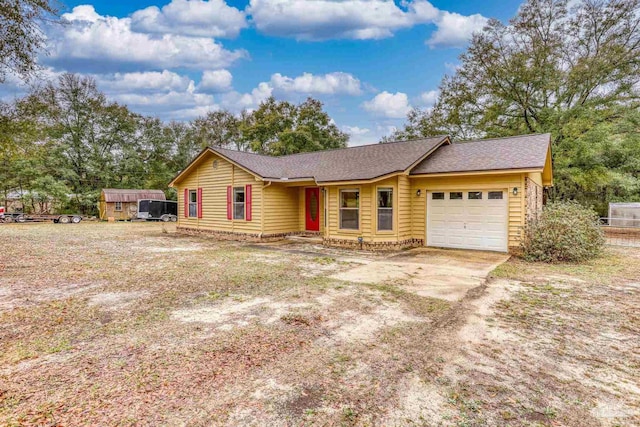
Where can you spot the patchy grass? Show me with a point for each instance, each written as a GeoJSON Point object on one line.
{"type": "Point", "coordinates": [131, 324]}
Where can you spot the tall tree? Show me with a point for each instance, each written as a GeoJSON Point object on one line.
{"type": "Point", "coordinates": [21, 38]}
{"type": "Point", "coordinates": [221, 129]}
{"type": "Point", "coordinates": [280, 127]}
{"type": "Point", "coordinates": [93, 141]}
{"type": "Point", "coordinates": [572, 72]}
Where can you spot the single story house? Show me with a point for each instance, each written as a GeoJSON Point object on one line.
{"type": "Point", "coordinates": [122, 204]}
{"type": "Point", "coordinates": [431, 191]}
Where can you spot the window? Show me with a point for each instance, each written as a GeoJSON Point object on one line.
{"type": "Point", "coordinates": [118, 206]}
{"type": "Point", "coordinates": [455, 195]}
{"type": "Point", "coordinates": [238, 203]}
{"type": "Point", "coordinates": [193, 203]}
{"type": "Point", "coordinates": [349, 209]}
{"type": "Point", "coordinates": [475, 195]}
{"type": "Point", "coordinates": [437, 196]}
{"type": "Point", "coordinates": [495, 195]}
{"type": "Point", "coordinates": [385, 209]}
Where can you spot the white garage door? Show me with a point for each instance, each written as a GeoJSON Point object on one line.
{"type": "Point", "coordinates": [467, 219]}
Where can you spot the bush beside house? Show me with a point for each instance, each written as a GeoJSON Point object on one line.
{"type": "Point", "coordinates": [565, 231]}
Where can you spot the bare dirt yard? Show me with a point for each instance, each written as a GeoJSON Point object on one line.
{"type": "Point", "coordinates": [132, 324]}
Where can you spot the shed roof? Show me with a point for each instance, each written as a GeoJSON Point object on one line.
{"type": "Point", "coordinates": [514, 152]}
{"type": "Point", "coordinates": [347, 164]}
{"type": "Point", "coordinates": [130, 195]}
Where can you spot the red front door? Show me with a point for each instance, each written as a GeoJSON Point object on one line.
{"type": "Point", "coordinates": [312, 208]}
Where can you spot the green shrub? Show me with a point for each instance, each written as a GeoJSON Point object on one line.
{"type": "Point", "coordinates": [565, 231]}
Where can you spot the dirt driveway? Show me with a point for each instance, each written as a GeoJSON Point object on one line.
{"type": "Point", "coordinates": [131, 324]}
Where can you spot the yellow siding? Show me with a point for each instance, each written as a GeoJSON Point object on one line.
{"type": "Point", "coordinates": [214, 183]}
{"type": "Point", "coordinates": [536, 177]}
{"type": "Point", "coordinates": [479, 182]}
{"type": "Point", "coordinates": [368, 212]}
{"type": "Point", "coordinates": [281, 209]}
{"type": "Point", "coordinates": [404, 205]}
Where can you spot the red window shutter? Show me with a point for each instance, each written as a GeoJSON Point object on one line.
{"type": "Point", "coordinates": [229, 204]}
{"type": "Point", "coordinates": [200, 202]}
{"type": "Point", "coordinates": [247, 205]}
{"type": "Point", "coordinates": [186, 203]}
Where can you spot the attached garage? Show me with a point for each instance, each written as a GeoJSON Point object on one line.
{"type": "Point", "coordinates": [468, 219]}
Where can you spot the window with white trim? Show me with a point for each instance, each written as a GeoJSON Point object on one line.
{"type": "Point", "coordinates": [385, 209]}
{"type": "Point", "coordinates": [193, 204]}
{"type": "Point", "coordinates": [238, 202]}
{"type": "Point", "coordinates": [350, 209]}
{"type": "Point", "coordinates": [118, 206]}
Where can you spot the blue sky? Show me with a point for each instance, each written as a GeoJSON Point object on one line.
{"type": "Point", "coordinates": [369, 61]}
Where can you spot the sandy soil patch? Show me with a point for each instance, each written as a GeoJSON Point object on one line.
{"type": "Point", "coordinates": [420, 402]}
{"type": "Point", "coordinates": [116, 300]}
{"type": "Point", "coordinates": [21, 296]}
{"type": "Point", "coordinates": [350, 326]}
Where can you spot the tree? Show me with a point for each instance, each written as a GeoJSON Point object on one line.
{"type": "Point", "coordinates": [574, 73]}
{"type": "Point", "coordinates": [92, 142]}
{"type": "Point", "coordinates": [220, 129]}
{"type": "Point", "coordinates": [21, 38]}
{"type": "Point", "coordinates": [280, 127]}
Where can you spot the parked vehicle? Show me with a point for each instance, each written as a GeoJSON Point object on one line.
{"type": "Point", "coordinates": [57, 218]}
{"type": "Point", "coordinates": [157, 210]}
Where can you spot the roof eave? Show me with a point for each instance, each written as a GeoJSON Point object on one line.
{"type": "Point", "coordinates": [478, 172]}
{"type": "Point", "coordinates": [361, 181]}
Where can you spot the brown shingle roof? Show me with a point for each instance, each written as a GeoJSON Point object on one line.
{"type": "Point", "coordinates": [517, 152]}
{"type": "Point", "coordinates": [347, 164]}
{"type": "Point", "coordinates": [126, 195]}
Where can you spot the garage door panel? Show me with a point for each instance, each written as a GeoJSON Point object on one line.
{"type": "Point", "coordinates": [494, 227]}
{"type": "Point", "coordinates": [467, 223]}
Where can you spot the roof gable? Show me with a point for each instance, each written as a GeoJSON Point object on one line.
{"type": "Point", "coordinates": [510, 153]}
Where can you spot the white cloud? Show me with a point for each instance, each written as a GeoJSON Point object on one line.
{"type": "Point", "coordinates": [390, 105]}
{"type": "Point", "coordinates": [454, 30]}
{"type": "Point", "coordinates": [143, 81]}
{"type": "Point", "coordinates": [94, 42]}
{"type": "Point", "coordinates": [215, 81]}
{"type": "Point", "coordinates": [213, 18]}
{"type": "Point", "coordinates": [359, 19]}
{"type": "Point", "coordinates": [165, 100]}
{"type": "Point", "coordinates": [236, 101]}
{"type": "Point", "coordinates": [355, 130]}
{"type": "Point", "coordinates": [327, 84]}
{"type": "Point", "coordinates": [429, 98]}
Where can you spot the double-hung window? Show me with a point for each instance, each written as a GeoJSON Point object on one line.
{"type": "Point", "coordinates": [193, 204]}
{"type": "Point", "coordinates": [238, 203]}
{"type": "Point", "coordinates": [350, 209]}
{"type": "Point", "coordinates": [385, 209]}
{"type": "Point", "coordinates": [118, 206]}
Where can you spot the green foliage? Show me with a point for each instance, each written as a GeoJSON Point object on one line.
{"type": "Point", "coordinates": [571, 72]}
{"type": "Point", "coordinates": [565, 231]}
{"type": "Point", "coordinates": [278, 128]}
